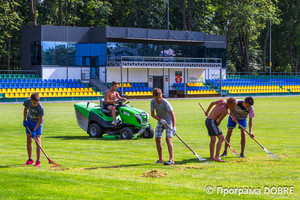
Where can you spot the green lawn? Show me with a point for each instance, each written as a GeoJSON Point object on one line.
{"type": "Point", "coordinates": [113, 169]}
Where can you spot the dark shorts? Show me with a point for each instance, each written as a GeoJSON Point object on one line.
{"type": "Point", "coordinates": [212, 127]}
{"type": "Point", "coordinates": [107, 106]}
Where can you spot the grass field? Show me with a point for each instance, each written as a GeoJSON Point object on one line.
{"type": "Point", "coordinates": [113, 169]}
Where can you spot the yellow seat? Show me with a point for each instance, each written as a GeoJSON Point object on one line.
{"type": "Point", "coordinates": [133, 93]}
{"type": "Point", "coordinates": [60, 90]}
{"type": "Point", "coordinates": [51, 90]}
{"type": "Point", "coordinates": [55, 89]}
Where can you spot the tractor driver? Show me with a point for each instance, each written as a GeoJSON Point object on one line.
{"type": "Point", "coordinates": [109, 99]}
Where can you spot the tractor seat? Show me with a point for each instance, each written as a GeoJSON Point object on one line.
{"type": "Point", "coordinates": [106, 111]}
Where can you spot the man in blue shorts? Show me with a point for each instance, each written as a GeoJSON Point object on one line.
{"type": "Point", "coordinates": [164, 115]}
{"type": "Point", "coordinates": [241, 112]}
{"type": "Point", "coordinates": [34, 112]}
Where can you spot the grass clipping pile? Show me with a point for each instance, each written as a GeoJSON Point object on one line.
{"type": "Point", "coordinates": [155, 173]}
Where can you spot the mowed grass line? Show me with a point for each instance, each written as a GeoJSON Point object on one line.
{"type": "Point", "coordinates": [113, 169]}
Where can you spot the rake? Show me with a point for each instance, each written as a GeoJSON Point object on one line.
{"type": "Point", "coordinates": [233, 151]}
{"type": "Point", "coordinates": [200, 158]}
{"type": "Point", "coordinates": [268, 152]}
{"type": "Point", "coordinates": [50, 161]}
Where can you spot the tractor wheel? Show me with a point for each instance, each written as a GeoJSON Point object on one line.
{"type": "Point", "coordinates": [149, 133]}
{"type": "Point", "coordinates": [95, 131]}
{"type": "Point", "coordinates": [126, 133]}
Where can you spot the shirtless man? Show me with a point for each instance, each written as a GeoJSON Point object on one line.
{"type": "Point", "coordinates": [109, 99]}
{"type": "Point", "coordinates": [214, 120]}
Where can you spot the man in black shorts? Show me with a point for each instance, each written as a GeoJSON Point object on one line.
{"type": "Point", "coordinates": [109, 99]}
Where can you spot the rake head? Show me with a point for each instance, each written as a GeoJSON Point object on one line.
{"type": "Point", "coordinates": [234, 152]}
{"type": "Point", "coordinates": [272, 155]}
{"type": "Point", "coordinates": [53, 164]}
{"type": "Point", "coordinates": [200, 158]}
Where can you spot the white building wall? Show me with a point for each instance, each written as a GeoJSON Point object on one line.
{"type": "Point", "coordinates": [196, 75]}
{"type": "Point", "coordinates": [215, 73]}
{"type": "Point", "coordinates": [63, 72]}
{"type": "Point", "coordinates": [114, 74]}
{"type": "Point", "coordinates": [74, 73]}
{"type": "Point", "coordinates": [102, 74]}
{"type": "Point", "coordinates": [157, 72]}
{"type": "Point", "coordinates": [54, 72]}
{"type": "Point", "coordinates": [136, 75]}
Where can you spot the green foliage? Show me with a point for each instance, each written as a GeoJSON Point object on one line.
{"type": "Point", "coordinates": [113, 169]}
{"type": "Point", "coordinates": [9, 22]}
{"type": "Point", "coordinates": [243, 22]}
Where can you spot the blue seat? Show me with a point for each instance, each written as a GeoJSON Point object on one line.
{"type": "Point", "coordinates": [143, 85]}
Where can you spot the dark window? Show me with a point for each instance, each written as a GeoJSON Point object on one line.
{"type": "Point", "coordinates": [36, 53]}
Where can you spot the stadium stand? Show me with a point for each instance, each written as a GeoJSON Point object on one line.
{"type": "Point", "coordinates": [195, 89]}
{"type": "Point", "coordinates": [260, 85]}
{"type": "Point", "coordinates": [22, 86]}
{"type": "Point", "coordinates": [135, 89]}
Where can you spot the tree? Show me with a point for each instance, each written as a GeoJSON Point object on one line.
{"type": "Point", "coordinates": [286, 37]}
{"type": "Point", "coordinates": [242, 23]}
{"type": "Point", "coordinates": [9, 21]}
{"type": "Point", "coordinates": [33, 12]}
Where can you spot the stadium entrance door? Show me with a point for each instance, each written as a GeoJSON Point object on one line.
{"type": "Point", "coordinates": [158, 82]}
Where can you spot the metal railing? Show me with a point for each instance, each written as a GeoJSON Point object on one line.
{"type": "Point", "coordinates": [170, 59]}
{"type": "Point", "coordinates": [19, 71]}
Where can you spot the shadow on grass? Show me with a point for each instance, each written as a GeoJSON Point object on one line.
{"type": "Point", "coordinates": [193, 160]}
{"type": "Point", "coordinates": [11, 166]}
{"type": "Point", "coordinates": [83, 138]}
{"type": "Point", "coordinates": [73, 138]}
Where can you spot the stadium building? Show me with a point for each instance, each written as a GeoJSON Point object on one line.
{"type": "Point", "coordinates": [156, 58]}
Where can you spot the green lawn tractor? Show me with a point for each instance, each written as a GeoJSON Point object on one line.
{"type": "Point", "coordinates": [97, 121]}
